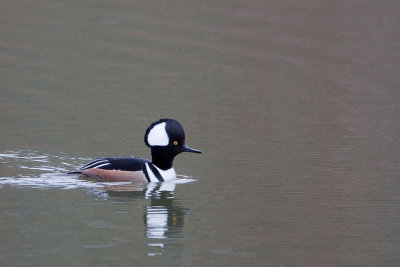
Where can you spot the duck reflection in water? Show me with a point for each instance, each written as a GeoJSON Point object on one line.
{"type": "Point", "coordinates": [163, 218]}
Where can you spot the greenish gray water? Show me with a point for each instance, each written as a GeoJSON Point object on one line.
{"type": "Point", "coordinates": [294, 105]}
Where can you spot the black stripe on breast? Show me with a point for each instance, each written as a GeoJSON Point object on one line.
{"type": "Point", "coordinates": [146, 174]}
{"type": "Point", "coordinates": [156, 173]}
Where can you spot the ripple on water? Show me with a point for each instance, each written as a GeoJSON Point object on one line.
{"type": "Point", "coordinates": [36, 170]}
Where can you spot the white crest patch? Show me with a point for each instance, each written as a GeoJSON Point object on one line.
{"type": "Point", "coordinates": [158, 135]}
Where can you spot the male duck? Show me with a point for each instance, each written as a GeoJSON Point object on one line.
{"type": "Point", "coordinates": [166, 139]}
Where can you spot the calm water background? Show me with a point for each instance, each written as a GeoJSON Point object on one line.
{"type": "Point", "coordinates": [296, 107]}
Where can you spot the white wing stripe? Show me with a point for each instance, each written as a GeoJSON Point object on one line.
{"type": "Point", "coordinates": [101, 165]}
{"type": "Point", "coordinates": [94, 163]}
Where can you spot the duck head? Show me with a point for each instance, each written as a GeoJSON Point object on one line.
{"type": "Point", "coordinates": [166, 139]}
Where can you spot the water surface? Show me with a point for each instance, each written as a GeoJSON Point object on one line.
{"type": "Point", "coordinates": [294, 105]}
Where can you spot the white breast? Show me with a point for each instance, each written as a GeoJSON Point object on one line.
{"type": "Point", "coordinates": [169, 174]}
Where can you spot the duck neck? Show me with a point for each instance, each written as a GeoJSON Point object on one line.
{"type": "Point", "coordinates": [162, 158]}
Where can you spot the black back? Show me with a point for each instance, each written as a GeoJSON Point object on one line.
{"type": "Point", "coordinates": [121, 163]}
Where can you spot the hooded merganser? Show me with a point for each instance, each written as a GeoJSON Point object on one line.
{"type": "Point", "coordinates": [165, 138]}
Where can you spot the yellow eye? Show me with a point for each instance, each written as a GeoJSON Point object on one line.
{"type": "Point", "coordinates": [176, 143]}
